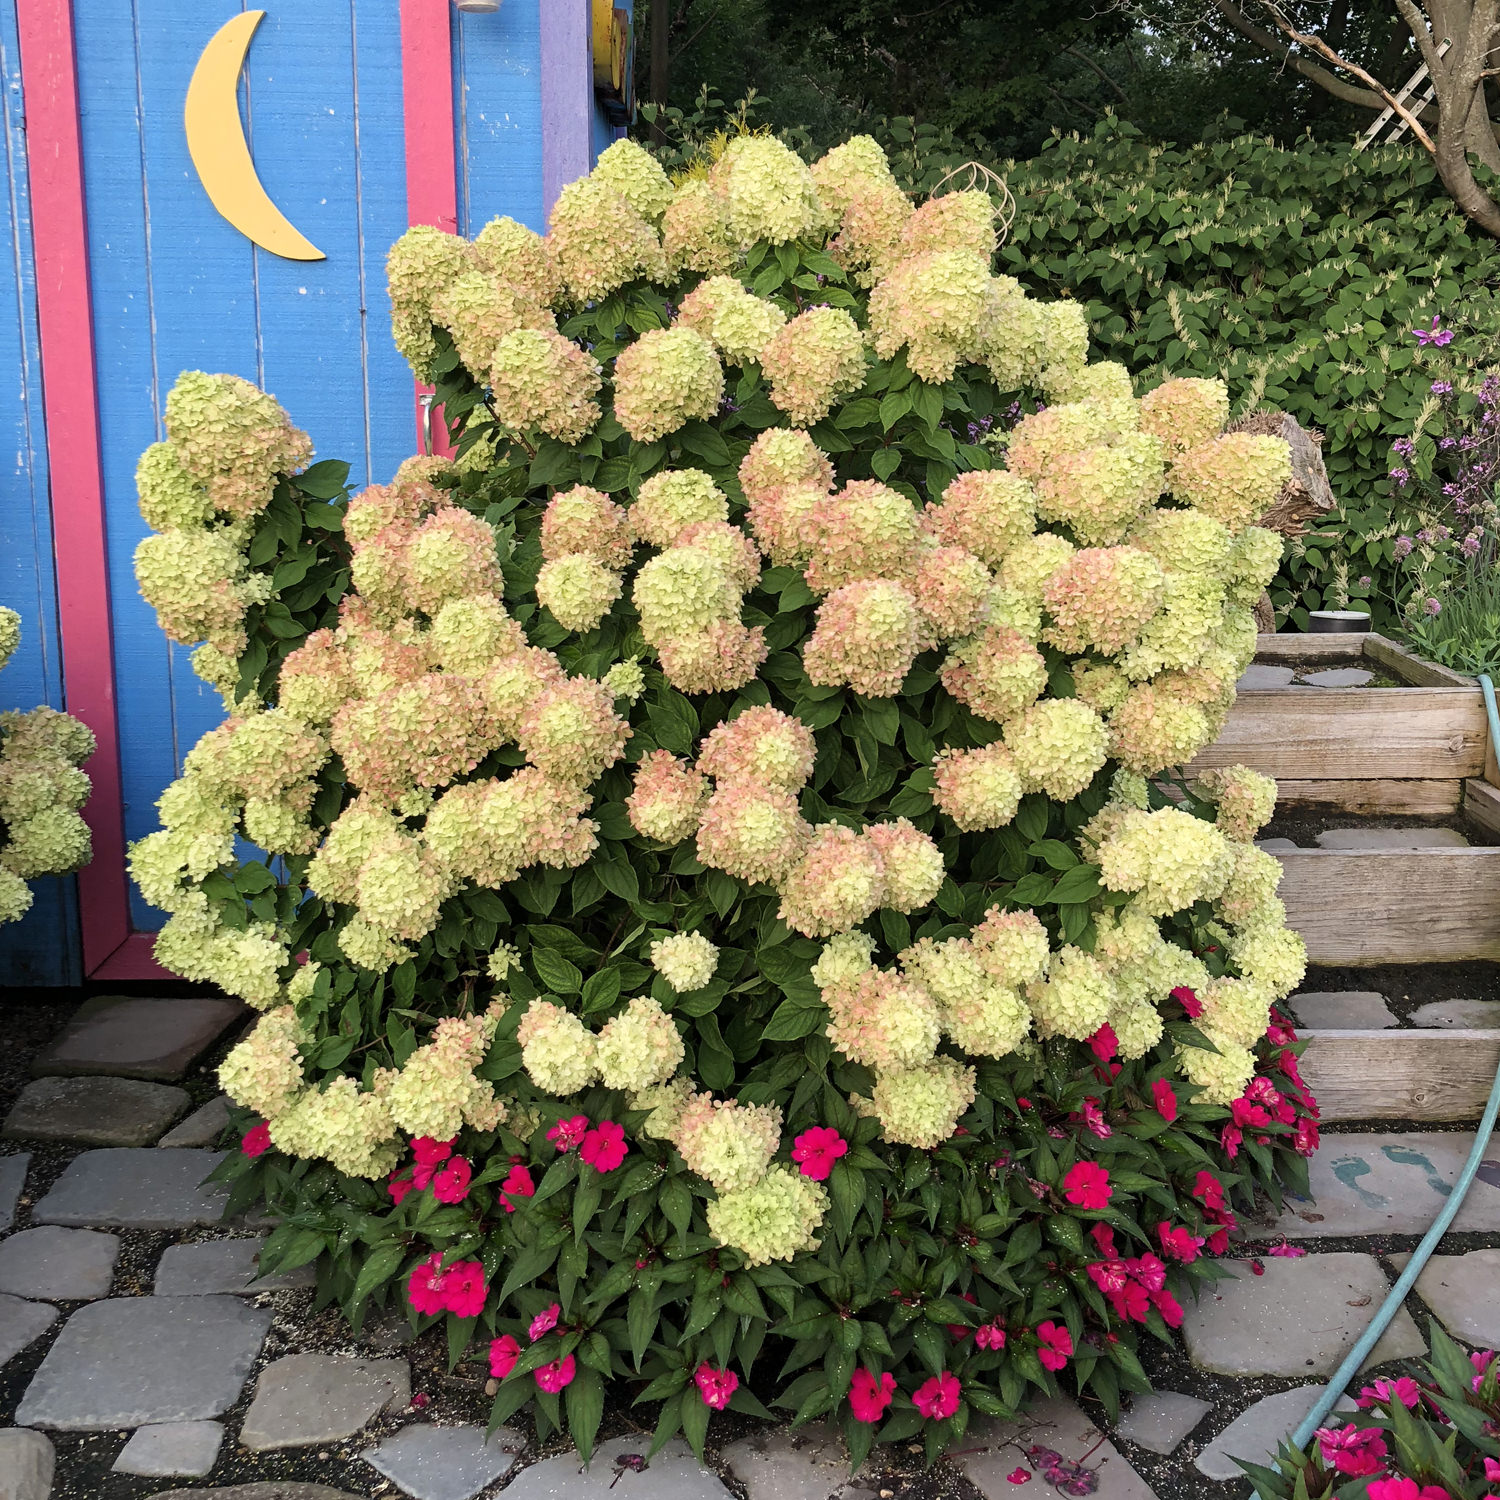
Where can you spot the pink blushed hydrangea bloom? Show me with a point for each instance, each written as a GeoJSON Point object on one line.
{"type": "Point", "coordinates": [816, 1150]}
{"type": "Point", "coordinates": [716, 1386]}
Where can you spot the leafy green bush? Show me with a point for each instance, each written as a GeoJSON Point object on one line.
{"type": "Point", "coordinates": [732, 932]}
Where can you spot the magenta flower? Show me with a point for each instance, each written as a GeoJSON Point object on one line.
{"type": "Point", "coordinates": [1403, 1389]}
{"type": "Point", "coordinates": [257, 1140]}
{"type": "Point", "coordinates": [1056, 1345]}
{"type": "Point", "coordinates": [816, 1150]}
{"type": "Point", "coordinates": [1435, 334]}
{"type": "Point", "coordinates": [1104, 1042]}
{"type": "Point", "coordinates": [937, 1398]}
{"type": "Point", "coordinates": [504, 1352]}
{"type": "Point", "coordinates": [429, 1155]}
{"type": "Point", "coordinates": [990, 1336]}
{"type": "Point", "coordinates": [1189, 1001]}
{"type": "Point", "coordinates": [1352, 1450]}
{"type": "Point", "coordinates": [518, 1184]}
{"type": "Point", "coordinates": [544, 1322]}
{"type": "Point", "coordinates": [604, 1146]}
{"type": "Point", "coordinates": [566, 1135]}
{"type": "Point", "coordinates": [715, 1386]}
{"type": "Point", "coordinates": [451, 1184]}
{"type": "Point", "coordinates": [464, 1289]}
{"type": "Point", "coordinates": [1442, 387]}
{"type": "Point", "coordinates": [1178, 1243]}
{"type": "Point", "coordinates": [1087, 1186]}
{"type": "Point", "coordinates": [558, 1374]}
{"type": "Point", "coordinates": [1405, 1489]}
{"type": "Point", "coordinates": [424, 1287]}
{"type": "Point", "coordinates": [1164, 1097]}
{"type": "Point", "coordinates": [869, 1397]}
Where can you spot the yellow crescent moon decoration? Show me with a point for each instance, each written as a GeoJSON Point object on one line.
{"type": "Point", "coordinates": [220, 152]}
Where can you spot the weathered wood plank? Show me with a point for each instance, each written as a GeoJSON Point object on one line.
{"type": "Point", "coordinates": [1482, 807]}
{"type": "Point", "coordinates": [1373, 906]}
{"type": "Point", "coordinates": [1411, 668]}
{"type": "Point", "coordinates": [1373, 798]}
{"type": "Point", "coordinates": [1401, 1075]}
{"type": "Point", "coordinates": [1290, 649]}
{"type": "Point", "coordinates": [1351, 734]}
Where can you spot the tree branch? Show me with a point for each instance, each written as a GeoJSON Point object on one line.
{"type": "Point", "coordinates": [1331, 82]}
{"type": "Point", "coordinates": [1104, 77]}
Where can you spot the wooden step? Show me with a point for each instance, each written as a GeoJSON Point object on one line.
{"type": "Point", "coordinates": [1407, 906]}
{"type": "Point", "coordinates": [1438, 1075]}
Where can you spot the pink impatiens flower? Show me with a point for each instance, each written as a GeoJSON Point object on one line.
{"type": "Point", "coordinates": [1087, 1185]}
{"type": "Point", "coordinates": [1056, 1345]}
{"type": "Point", "coordinates": [1352, 1450]}
{"type": "Point", "coordinates": [1189, 1001]}
{"type": "Point", "coordinates": [869, 1397]}
{"type": "Point", "coordinates": [518, 1184]}
{"type": "Point", "coordinates": [1492, 1470]}
{"type": "Point", "coordinates": [504, 1352]}
{"type": "Point", "coordinates": [816, 1150]}
{"type": "Point", "coordinates": [399, 1184]}
{"type": "Point", "coordinates": [716, 1386]}
{"type": "Point", "coordinates": [937, 1398]}
{"type": "Point", "coordinates": [558, 1374]}
{"type": "Point", "coordinates": [1164, 1097]}
{"type": "Point", "coordinates": [1403, 1389]}
{"type": "Point", "coordinates": [451, 1184]}
{"type": "Point", "coordinates": [604, 1146]}
{"type": "Point", "coordinates": [1104, 1042]}
{"type": "Point", "coordinates": [990, 1336]}
{"type": "Point", "coordinates": [566, 1135]}
{"type": "Point", "coordinates": [424, 1287]}
{"type": "Point", "coordinates": [257, 1140]}
{"type": "Point", "coordinates": [1178, 1243]}
{"type": "Point", "coordinates": [464, 1288]}
{"type": "Point", "coordinates": [1406, 1489]}
{"type": "Point", "coordinates": [428, 1155]}
{"type": "Point", "coordinates": [544, 1322]}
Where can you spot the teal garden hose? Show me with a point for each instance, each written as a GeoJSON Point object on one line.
{"type": "Point", "coordinates": [1371, 1336]}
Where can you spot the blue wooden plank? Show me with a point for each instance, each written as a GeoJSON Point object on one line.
{"type": "Point", "coordinates": [498, 105]}
{"type": "Point", "coordinates": [44, 947]}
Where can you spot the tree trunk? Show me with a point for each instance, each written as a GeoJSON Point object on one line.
{"type": "Point", "coordinates": [661, 63]}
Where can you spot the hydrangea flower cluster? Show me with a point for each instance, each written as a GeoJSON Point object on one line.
{"type": "Point", "coordinates": [42, 789]}
{"type": "Point", "coordinates": [722, 780]}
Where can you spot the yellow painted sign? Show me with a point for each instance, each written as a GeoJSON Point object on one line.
{"type": "Point", "coordinates": [220, 152]}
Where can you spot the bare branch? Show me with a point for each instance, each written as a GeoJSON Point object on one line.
{"type": "Point", "coordinates": [1104, 77]}
{"type": "Point", "coordinates": [1310, 70]}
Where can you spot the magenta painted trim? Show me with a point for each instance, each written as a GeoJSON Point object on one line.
{"type": "Point", "coordinates": [567, 96]}
{"type": "Point", "coordinates": [49, 81]}
{"type": "Point", "coordinates": [133, 959]}
{"type": "Point", "coordinates": [431, 162]}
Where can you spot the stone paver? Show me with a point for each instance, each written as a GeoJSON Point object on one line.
{"type": "Point", "coordinates": [1255, 1434]}
{"type": "Point", "coordinates": [809, 1463]}
{"type": "Point", "coordinates": [22, 1323]}
{"type": "Point", "coordinates": [95, 1111]}
{"type": "Point", "coordinates": [1258, 676]}
{"type": "Point", "coordinates": [1278, 846]}
{"type": "Point", "coordinates": [320, 1398]}
{"type": "Point", "coordinates": [1301, 1317]}
{"type": "Point", "coordinates": [221, 1266]}
{"type": "Point", "coordinates": [27, 1461]}
{"type": "Point", "coordinates": [136, 1188]}
{"type": "Point", "coordinates": [992, 1449]}
{"type": "Point", "coordinates": [135, 1360]}
{"type": "Point", "coordinates": [1342, 1010]}
{"type": "Point", "coordinates": [674, 1475]}
{"type": "Point", "coordinates": [274, 1489]}
{"type": "Point", "coordinates": [12, 1185]}
{"type": "Point", "coordinates": [61, 1265]}
{"type": "Point", "coordinates": [1331, 677]}
{"type": "Point", "coordinates": [1392, 838]}
{"type": "Point", "coordinates": [1160, 1420]}
{"type": "Point", "coordinates": [1463, 1292]}
{"type": "Point", "coordinates": [1478, 1015]}
{"type": "Point", "coordinates": [122, 1037]}
{"type": "Point", "coordinates": [1392, 1183]}
{"type": "Point", "coordinates": [445, 1463]}
{"type": "Point", "coordinates": [171, 1450]}
{"type": "Point", "coordinates": [201, 1128]}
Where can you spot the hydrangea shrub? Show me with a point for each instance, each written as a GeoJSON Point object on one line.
{"type": "Point", "coordinates": [41, 790]}
{"type": "Point", "coordinates": [732, 928]}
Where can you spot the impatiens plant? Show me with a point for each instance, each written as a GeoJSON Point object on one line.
{"type": "Point", "coordinates": [730, 926]}
{"type": "Point", "coordinates": [1430, 1435]}
{"type": "Point", "coordinates": [41, 790]}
